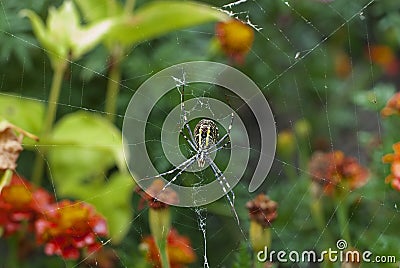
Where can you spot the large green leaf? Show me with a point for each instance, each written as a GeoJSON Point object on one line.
{"type": "Point", "coordinates": [161, 17]}
{"type": "Point", "coordinates": [24, 113]}
{"type": "Point", "coordinates": [84, 146]}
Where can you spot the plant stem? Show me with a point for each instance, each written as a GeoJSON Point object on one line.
{"type": "Point", "coordinates": [129, 5]}
{"type": "Point", "coordinates": [257, 263]}
{"type": "Point", "coordinates": [341, 213]}
{"type": "Point", "coordinates": [160, 221]}
{"type": "Point", "coordinates": [5, 179]}
{"type": "Point", "coordinates": [260, 239]}
{"type": "Point", "coordinates": [12, 260]}
{"type": "Point", "coordinates": [114, 80]}
{"type": "Point", "coordinates": [318, 217]}
{"type": "Point", "coordinates": [162, 245]}
{"type": "Point", "coordinates": [316, 212]}
{"type": "Point", "coordinates": [70, 264]}
{"type": "Point", "coordinates": [53, 99]}
{"type": "Point", "coordinates": [49, 119]}
{"type": "Point", "coordinates": [290, 171]}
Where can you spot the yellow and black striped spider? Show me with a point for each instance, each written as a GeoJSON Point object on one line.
{"type": "Point", "coordinates": [204, 140]}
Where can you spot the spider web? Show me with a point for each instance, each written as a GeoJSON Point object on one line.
{"type": "Point", "coordinates": [295, 75]}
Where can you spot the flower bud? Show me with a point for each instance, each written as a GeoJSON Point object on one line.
{"type": "Point", "coordinates": [160, 223]}
{"type": "Point", "coordinates": [235, 38]}
{"type": "Point", "coordinates": [260, 236]}
{"type": "Point", "coordinates": [286, 144]}
{"type": "Point", "coordinates": [302, 128]}
{"type": "Point", "coordinates": [262, 212]}
{"type": "Point", "coordinates": [63, 36]}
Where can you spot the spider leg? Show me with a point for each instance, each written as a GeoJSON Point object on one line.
{"type": "Point", "coordinates": [193, 158]}
{"type": "Point", "coordinates": [222, 181]}
{"type": "Point", "coordinates": [188, 140]}
{"type": "Point", "coordinates": [185, 120]}
{"type": "Point", "coordinates": [218, 148]}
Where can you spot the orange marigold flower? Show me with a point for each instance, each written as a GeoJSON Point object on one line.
{"type": "Point", "coordinates": [262, 210]}
{"type": "Point", "coordinates": [68, 227]}
{"type": "Point", "coordinates": [392, 106]}
{"type": "Point", "coordinates": [394, 177]}
{"type": "Point", "coordinates": [384, 56]}
{"type": "Point", "coordinates": [334, 169]}
{"type": "Point", "coordinates": [235, 38]}
{"type": "Point", "coordinates": [180, 253]}
{"type": "Point", "coordinates": [342, 64]}
{"type": "Point", "coordinates": [20, 203]}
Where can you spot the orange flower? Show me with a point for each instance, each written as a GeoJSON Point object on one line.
{"type": "Point", "coordinates": [235, 39]}
{"type": "Point", "coordinates": [342, 64]}
{"type": "Point", "coordinates": [394, 159]}
{"type": "Point", "coordinates": [392, 106]}
{"type": "Point", "coordinates": [334, 169]}
{"type": "Point", "coordinates": [21, 203]}
{"type": "Point", "coordinates": [180, 252]}
{"type": "Point", "coordinates": [68, 227]}
{"type": "Point", "coordinates": [384, 56]}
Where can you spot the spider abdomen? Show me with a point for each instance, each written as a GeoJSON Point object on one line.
{"type": "Point", "coordinates": [205, 133]}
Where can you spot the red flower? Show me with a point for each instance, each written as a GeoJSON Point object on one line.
{"type": "Point", "coordinates": [20, 203]}
{"type": "Point", "coordinates": [394, 159]}
{"type": "Point", "coordinates": [180, 252]}
{"type": "Point", "coordinates": [393, 106]}
{"type": "Point", "coordinates": [235, 39]}
{"type": "Point", "coordinates": [334, 169]}
{"type": "Point", "coordinates": [68, 227]}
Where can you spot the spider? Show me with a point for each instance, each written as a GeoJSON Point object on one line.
{"type": "Point", "coordinates": [204, 140]}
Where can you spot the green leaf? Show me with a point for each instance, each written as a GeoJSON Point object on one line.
{"type": "Point", "coordinates": [64, 36]}
{"type": "Point", "coordinates": [5, 179]}
{"type": "Point", "coordinates": [87, 38]}
{"type": "Point", "coordinates": [243, 257]}
{"type": "Point", "coordinates": [62, 22]}
{"type": "Point", "coordinates": [53, 48]}
{"type": "Point", "coordinates": [84, 146]}
{"type": "Point", "coordinates": [376, 98]}
{"type": "Point", "coordinates": [94, 10]}
{"type": "Point", "coordinates": [24, 113]}
{"type": "Point", "coordinates": [113, 201]}
{"type": "Point", "coordinates": [161, 17]}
